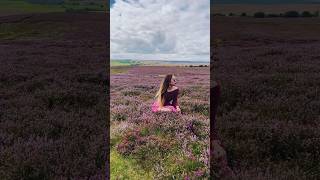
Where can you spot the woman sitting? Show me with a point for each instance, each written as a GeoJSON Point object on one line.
{"type": "Point", "coordinates": [167, 96]}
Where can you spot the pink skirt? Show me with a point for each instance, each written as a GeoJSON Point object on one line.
{"type": "Point", "coordinates": [155, 107]}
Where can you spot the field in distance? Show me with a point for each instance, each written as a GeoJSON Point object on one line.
{"type": "Point", "coordinates": [250, 9]}
{"type": "Point", "coordinates": [157, 63]}
{"type": "Point", "coordinates": [13, 7]}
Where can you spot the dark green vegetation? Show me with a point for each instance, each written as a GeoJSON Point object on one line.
{"type": "Point", "coordinates": [270, 10]}
{"type": "Point", "coordinates": [53, 103]}
{"type": "Point", "coordinates": [269, 114]}
{"type": "Point", "coordinates": [287, 14]}
{"type": "Point", "coordinates": [11, 7]}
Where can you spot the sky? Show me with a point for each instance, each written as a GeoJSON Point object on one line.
{"type": "Point", "coordinates": [160, 30]}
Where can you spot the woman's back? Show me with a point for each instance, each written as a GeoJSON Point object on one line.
{"type": "Point", "coordinates": [171, 97]}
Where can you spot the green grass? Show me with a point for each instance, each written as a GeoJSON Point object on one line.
{"type": "Point", "coordinates": [126, 168]}
{"type": "Point", "coordinates": [125, 63]}
{"type": "Point", "coordinates": [118, 69]}
{"type": "Point", "coordinates": [177, 165]}
{"type": "Point", "coordinates": [20, 6]}
{"type": "Point", "coordinates": [122, 66]}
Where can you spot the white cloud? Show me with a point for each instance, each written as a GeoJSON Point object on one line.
{"type": "Point", "coordinates": [160, 29]}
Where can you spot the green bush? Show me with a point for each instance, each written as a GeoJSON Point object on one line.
{"type": "Point", "coordinates": [72, 10]}
{"type": "Point", "coordinates": [291, 14]}
{"type": "Point", "coordinates": [218, 14]}
{"type": "Point", "coordinates": [196, 148]}
{"type": "Point", "coordinates": [274, 15]}
{"type": "Point", "coordinates": [259, 15]}
{"type": "Point", "coordinates": [306, 14]}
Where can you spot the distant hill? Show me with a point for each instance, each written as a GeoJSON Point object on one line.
{"type": "Point", "coordinates": [64, 1]}
{"type": "Point", "coordinates": [46, 1]}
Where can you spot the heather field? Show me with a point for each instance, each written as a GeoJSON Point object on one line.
{"type": "Point", "coordinates": [269, 116]}
{"type": "Point", "coordinates": [146, 145]}
{"type": "Point", "coordinates": [53, 100]}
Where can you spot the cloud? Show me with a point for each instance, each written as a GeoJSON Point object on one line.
{"type": "Point", "coordinates": [160, 29]}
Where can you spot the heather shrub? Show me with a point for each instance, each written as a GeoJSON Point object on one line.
{"type": "Point", "coordinates": [197, 128]}
{"type": "Point", "coordinates": [119, 117]}
{"type": "Point", "coordinates": [131, 93]}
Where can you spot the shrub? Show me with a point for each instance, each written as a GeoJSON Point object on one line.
{"type": "Point", "coordinates": [243, 14]}
{"type": "Point", "coordinates": [71, 10]}
{"type": "Point", "coordinates": [45, 1]}
{"type": "Point", "coordinates": [218, 14]}
{"type": "Point", "coordinates": [200, 108]}
{"type": "Point", "coordinates": [131, 93]}
{"type": "Point", "coordinates": [231, 14]}
{"type": "Point", "coordinates": [316, 14]}
{"type": "Point", "coordinates": [129, 142]}
{"type": "Point", "coordinates": [196, 148]}
{"type": "Point", "coordinates": [259, 15]}
{"type": "Point", "coordinates": [274, 15]}
{"type": "Point", "coordinates": [119, 117]}
{"type": "Point", "coordinates": [291, 14]}
{"type": "Point", "coordinates": [306, 14]}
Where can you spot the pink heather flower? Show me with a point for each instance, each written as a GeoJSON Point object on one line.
{"type": "Point", "coordinates": [186, 178]}
{"type": "Point", "coordinates": [199, 173]}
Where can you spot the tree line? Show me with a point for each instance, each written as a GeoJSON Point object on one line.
{"type": "Point", "coordinates": [260, 14]}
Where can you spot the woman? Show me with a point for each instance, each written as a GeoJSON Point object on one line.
{"type": "Point", "coordinates": [218, 152]}
{"type": "Point", "coordinates": [167, 96]}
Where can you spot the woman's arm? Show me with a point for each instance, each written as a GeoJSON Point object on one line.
{"type": "Point", "coordinates": [175, 98]}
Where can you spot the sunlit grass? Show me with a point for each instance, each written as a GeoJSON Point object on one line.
{"type": "Point", "coordinates": [118, 70]}
{"type": "Point", "coordinates": [126, 168]}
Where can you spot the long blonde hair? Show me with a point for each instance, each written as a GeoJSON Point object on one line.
{"type": "Point", "coordinates": [163, 88]}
